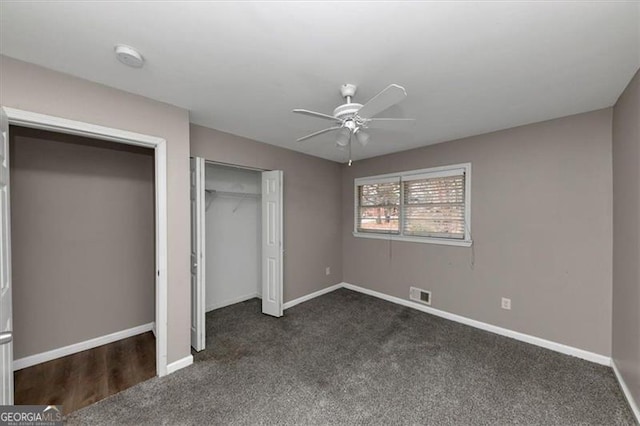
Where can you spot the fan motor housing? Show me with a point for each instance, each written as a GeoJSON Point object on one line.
{"type": "Point", "coordinates": [346, 110]}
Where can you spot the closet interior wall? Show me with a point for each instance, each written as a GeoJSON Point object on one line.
{"type": "Point", "coordinates": [233, 235]}
{"type": "Point", "coordinates": [83, 245]}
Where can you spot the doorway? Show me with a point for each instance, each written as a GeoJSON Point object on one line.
{"type": "Point", "coordinates": [65, 126]}
{"type": "Point", "coordinates": [237, 247]}
{"type": "Point", "coordinates": [83, 269]}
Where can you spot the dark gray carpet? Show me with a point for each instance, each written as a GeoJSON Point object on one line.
{"type": "Point", "coordinates": [347, 358]}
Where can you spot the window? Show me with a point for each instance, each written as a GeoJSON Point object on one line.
{"type": "Point", "coordinates": [379, 206]}
{"type": "Point", "coordinates": [430, 206]}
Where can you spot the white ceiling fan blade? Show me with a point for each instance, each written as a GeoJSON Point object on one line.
{"type": "Point", "coordinates": [319, 132]}
{"type": "Point", "coordinates": [383, 100]}
{"type": "Point", "coordinates": [316, 114]}
{"type": "Point", "coordinates": [389, 123]}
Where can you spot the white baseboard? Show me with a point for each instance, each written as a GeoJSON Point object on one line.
{"type": "Point", "coordinates": [627, 392]}
{"type": "Point", "coordinates": [28, 361]}
{"type": "Point", "coordinates": [232, 301]}
{"type": "Point", "coordinates": [310, 296]}
{"type": "Point", "coordinates": [179, 364]}
{"type": "Point", "coordinates": [554, 346]}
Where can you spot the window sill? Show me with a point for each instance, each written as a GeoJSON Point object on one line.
{"type": "Point", "coordinates": [423, 240]}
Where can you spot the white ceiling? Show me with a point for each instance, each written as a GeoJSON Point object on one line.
{"type": "Point", "coordinates": [469, 68]}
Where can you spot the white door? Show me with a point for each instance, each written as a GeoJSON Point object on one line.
{"type": "Point", "coordinates": [6, 345]}
{"type": "Point", "coordinates": [272, 244]}
{"type": "Point", "coordinates": [197, 255]}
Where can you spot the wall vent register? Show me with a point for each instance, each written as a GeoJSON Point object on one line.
{"type": "Point", "coordinates": [419, 295]}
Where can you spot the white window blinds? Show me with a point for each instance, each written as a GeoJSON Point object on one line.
{"type": "Point", "coordinates": [434, 205]}
{"type": "Point", "coordinates": [378, 206]}
{"type": "Point", "coordinates": [421, 206]}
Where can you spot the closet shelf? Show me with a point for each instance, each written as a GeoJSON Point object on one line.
{"type": "Point", "coordinates": [241, 195]}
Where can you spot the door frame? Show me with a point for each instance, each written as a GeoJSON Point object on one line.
{"type": "Point", "coordinates": [236, 166]}
{"type": "Point", "coordinates": [34, 120]}
{"type": "Point", "coordinates": [281, 215]}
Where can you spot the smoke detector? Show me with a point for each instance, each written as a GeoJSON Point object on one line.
{"type": "Point", "coordinates": [129, 56]}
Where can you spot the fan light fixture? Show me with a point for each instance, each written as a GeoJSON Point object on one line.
{"type": "Point", "coordinates": [342, 139]}
{"type": "Point", "coordinates": [362, 137]}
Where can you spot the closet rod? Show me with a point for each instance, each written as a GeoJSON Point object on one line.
{"type": "Point", "coordinates": [232, 193]}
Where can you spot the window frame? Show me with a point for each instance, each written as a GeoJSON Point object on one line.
{"type": "Point", "coordinates": [379, 180]}
{"type": "Point", "coordinates": [409, 175]}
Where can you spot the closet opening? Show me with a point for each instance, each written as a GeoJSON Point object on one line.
{"type": "Point", "coordinates": [83, 263]}
{"type": "Point", "coordinates": [233, 235]}
{"type": "Point", "coordinates": [236, 241]}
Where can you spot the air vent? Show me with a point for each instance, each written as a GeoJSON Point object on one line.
{"type": "Point", "coordinates": [419, 295]}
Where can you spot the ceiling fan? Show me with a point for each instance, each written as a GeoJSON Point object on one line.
{"type": "Point", "coordinates": [352, 118]}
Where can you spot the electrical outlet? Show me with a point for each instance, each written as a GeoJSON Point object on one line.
{"type": "Point", "coordinates": [327, 270]}
{"type": "Point", "coordinates": [506, 303]}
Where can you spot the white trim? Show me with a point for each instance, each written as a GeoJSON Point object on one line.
{"type": "Point", "coordinates": [232, 301]}
{"type": "Point", "coordinates": [63, 125]}
{"type": "Point", "coordinates": [424, 240]}
{"type": "Point", "coordinates": [179, 364]}
{"type": "Point", "coordinates": [313, 295]}
{"type": "Point", "coordinates": [162, 283]}
{"type": "Point", "coordinates": [35, 120]}
{"type": "Point", "coordinates": [626, 391]}
{"type": "Point", "coordinates": [235, 166]}
{"type": "Point", "coordinates": [28, 361]}
{"type": "Point", "coordinates": [558, 347]}
{"type": "Point", "coordinates": [461, 166]}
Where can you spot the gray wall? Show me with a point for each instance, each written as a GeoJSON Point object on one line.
{"type": "Point", "coordinates": [83, 239]}
{"type": "Point", "coordinates": [33, 88]}
{"type": "Point", "coordinates": [312, 189]}
{"type": "Point", "coordinates": [541, 225]}
{"type": "Point", "coordinates": [626, 236]}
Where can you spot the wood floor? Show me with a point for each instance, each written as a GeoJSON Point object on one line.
{"type": "Point", "coordinates": [78, 380]}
